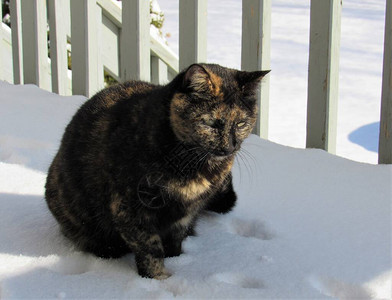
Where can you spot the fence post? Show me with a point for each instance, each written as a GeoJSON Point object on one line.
{"type": "Point", "coordinates": [255, 52]}
{"type": "Point", "coordinates": [16, 35]}
{"type": "Point", "coordinates": [58, 47]}
{"type": "Point", "coordinates": [385, 141]}
{"type": "Point", "coordinates": [86, 69]}
{"type": "Point", "coordinates": [100, 79]}
{"type": "Point", "coordinates": [135, 40]}
{"type": "Point", "coordinates": [34, 34]}
{"type": "Point", "coordinates": [193, 32]}
{"type": "Point", "coordinates": [323, 75]}
{"type": "Point", "coordinates": [1, 45]}
{"type": "Point", "coordinates": [158, 71]}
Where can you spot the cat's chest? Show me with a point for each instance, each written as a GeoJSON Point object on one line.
{"type": "Point", "coordinates": [190, 197]}
{"type": "Point", "coordinates": [190, 189]}
{"type": "Point", "coordinates": [201, 184]}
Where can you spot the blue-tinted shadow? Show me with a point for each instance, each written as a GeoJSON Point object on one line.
{"type": "Point", "coordinates": [366, 136]}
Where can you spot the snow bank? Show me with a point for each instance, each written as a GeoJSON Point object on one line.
{"type": "Point", "coordinates": [307, 224]}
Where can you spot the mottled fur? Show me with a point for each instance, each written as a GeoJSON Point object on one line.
{"type": "Point", "coordinates": [138, 162]}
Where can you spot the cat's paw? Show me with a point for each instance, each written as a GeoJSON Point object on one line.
{"type": "Point", "coordinates": [165, 274]}
{"type": "Point", "coordinates": [223, 202]}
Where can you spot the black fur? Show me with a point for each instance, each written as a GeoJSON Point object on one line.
{"type": "Point", "coordinates": [138, 162]}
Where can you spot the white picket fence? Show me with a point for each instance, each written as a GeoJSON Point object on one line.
{"type": "Point", "coordinates": [105, 37]}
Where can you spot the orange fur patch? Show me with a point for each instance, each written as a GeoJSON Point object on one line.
{"type": "Point", "coordinates": [216, 85]}
{"type": "Point", "coordinates": [192, 189]}
{"type": "Point", "coordinates": [178, 105]}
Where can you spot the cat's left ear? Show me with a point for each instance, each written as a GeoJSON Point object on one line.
{"type": "Point", "coordinates": [251, 79]}
{"type": "Point", "coordinates": [196, 78]}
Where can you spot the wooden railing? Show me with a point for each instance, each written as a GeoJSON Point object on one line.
{"type": "Point", "coordinates": [105, 37]}
{"type": "Point", "coordinates": [98, 38]}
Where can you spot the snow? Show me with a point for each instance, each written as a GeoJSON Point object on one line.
{"type": "Point", "coordinates": [308, 224]}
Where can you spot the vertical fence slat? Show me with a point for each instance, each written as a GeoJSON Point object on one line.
{"type": "Point", "coordinates": [255, 52]}
{"type": "Point", "coordinates": [158, 71]}
{"type": "Point", "coordinates": [16, 34]}
{"type": "Point", "coordinates": [135, 40]}
{"type": "Point", "coordinates": [100, 80]}
{"type": "Point", "coordinates": [323, 76]}
{"type": "Point", "coordinates": [58, 46]}
{"type": "Point", "coordinates": [1, 40]}
{"type": "Point", "coordinates": [35, 52]}
{"type": "Point", "coordinates": [86, 69]}
{"type": "Point", "coordinates": [193, 32]}
{"type": "Point", "coordinates": [385, 141]}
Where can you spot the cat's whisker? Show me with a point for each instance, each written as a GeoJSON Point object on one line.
{"type": "Point", "coordinates": [250, 167]}
{"type": "Point", "coordinates": [245, 163]}
{"type": "Point", "coordinates": [239, 159]}
{"type": "Point", "coordinates": [253, 159]}
{"type": "Point", "coordinates": [195, 161]}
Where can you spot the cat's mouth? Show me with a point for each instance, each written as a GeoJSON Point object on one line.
{"type": "Point", "coordinates": [221, 155]}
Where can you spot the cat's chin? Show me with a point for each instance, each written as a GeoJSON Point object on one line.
{"type": "Point", "coordinates": [220, 158]}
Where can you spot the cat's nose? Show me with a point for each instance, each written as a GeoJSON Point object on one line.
{"type": "Point", "coordinates": [232, 144]}
{"type": "Point", "coordinates": [221, 152]}
{"type": "Point", "coordinates": [224, 152]}
{"type": "Point", "coordinates": [227, 149]}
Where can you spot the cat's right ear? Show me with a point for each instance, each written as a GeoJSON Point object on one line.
{"type": "Point", "coordinates": [197, 79]}
{"type": "Point", "coordinates": [251, 79]}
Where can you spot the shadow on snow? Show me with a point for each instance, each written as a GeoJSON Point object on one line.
{"type": "Point", "coordinates": [366, 136]}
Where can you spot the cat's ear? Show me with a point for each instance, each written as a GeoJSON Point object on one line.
{"type": "Point", "coordinates": [250, 79]}
{"type": "Point", "coordinates": [196, 78]}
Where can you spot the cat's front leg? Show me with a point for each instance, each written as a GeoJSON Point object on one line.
{"type": "Point", "coordinates": [148, 249]}
{"type": "Point", "coordinates": [172, 241]}
{"type": "Point", "coordinates": [224, 200]}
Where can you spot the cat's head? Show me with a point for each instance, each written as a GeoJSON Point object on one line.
{"type": "Point", "coordinates": [214, 108]}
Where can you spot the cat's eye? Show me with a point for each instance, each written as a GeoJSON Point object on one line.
{"type": "Point", "coordinates": [241, 125]}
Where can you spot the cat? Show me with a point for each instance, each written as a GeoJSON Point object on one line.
{"type": "Point", "coordinates": [139, 162]}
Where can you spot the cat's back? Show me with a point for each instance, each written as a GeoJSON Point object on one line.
{"type": "Point", "coordinates": [91, 123]}
{"type": "Point", "coordinates": [83, 150]}
{"type": "Point", "coordinates": [110, 96]}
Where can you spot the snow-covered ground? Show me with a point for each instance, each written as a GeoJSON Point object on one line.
{"type": "Point", "coordinates": [360, 67]}
{"type": "Point", "coordinates": [307, 225]}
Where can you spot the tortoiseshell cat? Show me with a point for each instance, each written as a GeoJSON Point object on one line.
{"type": "Point", "coordinates": [138, 162]}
